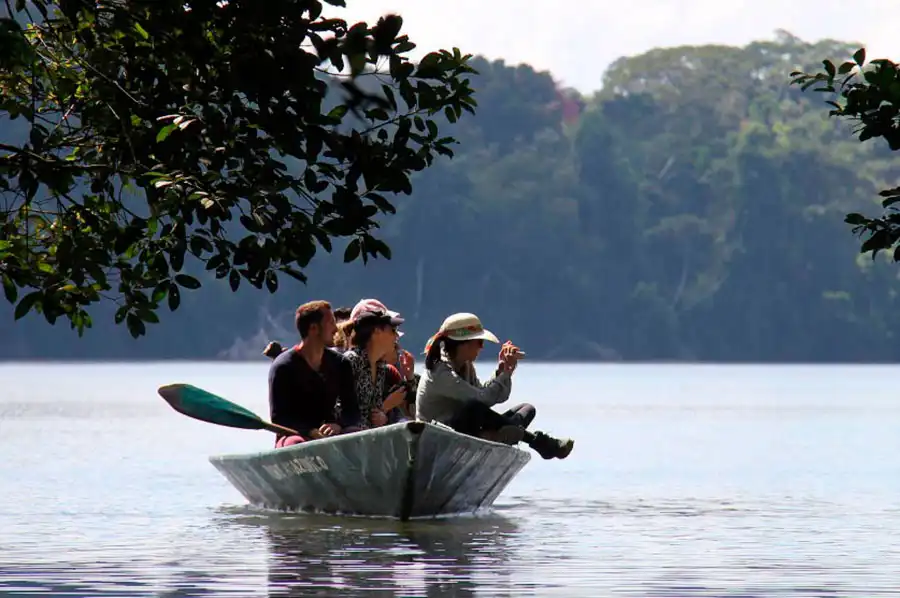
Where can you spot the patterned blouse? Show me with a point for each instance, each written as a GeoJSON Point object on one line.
{"type": "Point", "coordinates": [369, 393]}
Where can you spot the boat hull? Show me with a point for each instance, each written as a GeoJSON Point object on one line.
{"type": "Point", "coordinates": [405, 470]}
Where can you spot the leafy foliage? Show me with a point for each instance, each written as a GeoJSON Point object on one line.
{"type": "Point", "coordinates": [691, 211]}
{"type": "Point", "coordinates": [228, 133]}
{"type": "Point", "coordinates": [869, 97]}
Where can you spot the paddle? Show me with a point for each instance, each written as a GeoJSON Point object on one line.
{"type": "Point", "coordinates": [199, 404]}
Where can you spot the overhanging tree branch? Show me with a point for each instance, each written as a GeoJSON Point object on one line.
{"type": "Point", "coordinates": [868, 95]}
{"type": "Point", "coordinates": [201, 120]}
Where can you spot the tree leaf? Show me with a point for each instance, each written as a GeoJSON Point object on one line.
{"type": "Point", "coordinates": [147, 315]}
{"type": "Point", "coordinates": [135, 325]}
{"type": "Point", "coordinates": [160, 292]}
{"type": "Point", "coordinates": [377, 246]}
{"type": "Point", "coordinates": [81, 321]}
{"type": "Point", "coordinates": [26, 304]}
{"type": "Point", "coordinates": [161, 136]}
{"type": "Point", "coordinates": [846, 68]}
{"type": "Point", "coordinates": [293, 273]}
{"type": "Point", "coordinates": [174, 298]}
{"type": "Point", "coordinates": [271, 281]}
{"type": "Point", "coordinates": [9, 289]}
{"type": "Point", "coordinates": [141, 31]}
{"type": "Point", "coordinates": [352, 251]}
{"type": "Point", "coordinates": [188, 282]}
{"type": "Point", "coordinates": [338, 112]}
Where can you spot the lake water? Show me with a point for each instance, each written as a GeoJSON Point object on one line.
{"type": "Point", "coordinates": [685, 481]}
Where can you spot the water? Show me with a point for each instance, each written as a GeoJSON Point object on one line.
{"type": "Point", "coordinates": [685, 481]}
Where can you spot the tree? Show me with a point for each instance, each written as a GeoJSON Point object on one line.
{"type": "Point", "coordinates": [152, 125]}
{"type": "Point", "coordinates": [689, 214]}
{"type": "Point", "coordinates": [870, 97]}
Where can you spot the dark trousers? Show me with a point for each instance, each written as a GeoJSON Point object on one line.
{"type": "Point", "coordinates": [475, 417]}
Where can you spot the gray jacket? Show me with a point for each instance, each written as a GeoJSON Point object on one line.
{"type": "Point", "coordinates": [442, 391]}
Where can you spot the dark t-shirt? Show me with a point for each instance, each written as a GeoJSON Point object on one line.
{"type": "Point", "coordinates": [304, 399]}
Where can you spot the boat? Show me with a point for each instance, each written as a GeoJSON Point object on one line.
{"type": "Point", "coordinates": [404, 470]}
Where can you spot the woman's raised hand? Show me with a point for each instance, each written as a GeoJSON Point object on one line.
{"type": "Point", "coordinates": [509, 357]}
{"type": "Point", "coordinates": [407, 364]}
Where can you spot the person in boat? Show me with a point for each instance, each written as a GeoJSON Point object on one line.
{"type": "Point", "coordinates": [402, 374]}
{"type": "Point", "coordinates": [341, 314]}
{"type": "Point", "coordinates": [311, 386]}
{"type": "Point", "coordinates": [450, 393]}
{"type": "Point", "coordinates": [399, 375]}
{"type": "Point", "coordinates": [372, 335]}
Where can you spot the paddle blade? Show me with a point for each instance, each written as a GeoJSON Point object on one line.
{"type": "Point", "coordinates": [205, 406]}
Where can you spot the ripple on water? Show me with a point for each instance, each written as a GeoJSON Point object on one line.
{"type": "Point", "coordinates": [112, 495]}
{"type": "Point", "coordinates": [668, 548]}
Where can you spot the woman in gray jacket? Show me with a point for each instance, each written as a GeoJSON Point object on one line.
{"type": "Point", "coordinates": [449, 391]}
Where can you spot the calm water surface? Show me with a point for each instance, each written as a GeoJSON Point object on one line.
{"type": "Point", "coordinates": [685, 481]}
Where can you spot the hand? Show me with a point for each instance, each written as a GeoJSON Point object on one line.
{"type": "Point", "coordinates": [509, 357]}
{"type": "Point", "coordinates": [378, 418]}
{"type": "Point", "coordinates": [407, 364]}
{"type": "Point", "coordinates": [329, 430]}
{"type": "Point", "coordinates": [395, 399]}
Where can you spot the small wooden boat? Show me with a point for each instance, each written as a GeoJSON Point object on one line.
{"type": "Point", "coordinates": [404, 470]}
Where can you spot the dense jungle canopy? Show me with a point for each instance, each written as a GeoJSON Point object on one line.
{"type": "Point", "coordinates": [691, 209]}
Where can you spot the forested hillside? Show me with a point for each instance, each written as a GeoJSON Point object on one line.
{"type": "Point", "coordinates": [692, 209]}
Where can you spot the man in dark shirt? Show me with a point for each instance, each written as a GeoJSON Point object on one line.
{"type": "Point", "coordinates": [311, 385]}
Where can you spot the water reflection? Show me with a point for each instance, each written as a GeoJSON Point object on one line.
{"type": "Point", "coordinates": [684, 486]}
{"type": "Point", "coordinates": [313, 555]}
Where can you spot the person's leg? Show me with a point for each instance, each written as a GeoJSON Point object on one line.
{"type": "Point", "coordinates": [475, 418]}
{"type": "Point", "coordinates": [545, 445]}
{"type": "Point", "coordinates": [523, 414]}
{"type": "Point", "coordinates": [549, 447]}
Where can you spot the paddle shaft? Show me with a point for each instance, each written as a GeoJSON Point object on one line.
{"type": "Point", "coordinates": [279, 429]}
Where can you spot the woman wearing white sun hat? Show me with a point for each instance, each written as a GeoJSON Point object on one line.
{"type": "Point", "coordinates": [449, 390]}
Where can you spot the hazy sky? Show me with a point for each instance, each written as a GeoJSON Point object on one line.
{"type": "Point", "coordinates": [577, 39]}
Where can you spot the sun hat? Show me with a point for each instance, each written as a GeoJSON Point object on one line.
{"type": "Point", "coordinates": [373, 308]}
{"type": "Point", "coordinates": [462, 327]}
